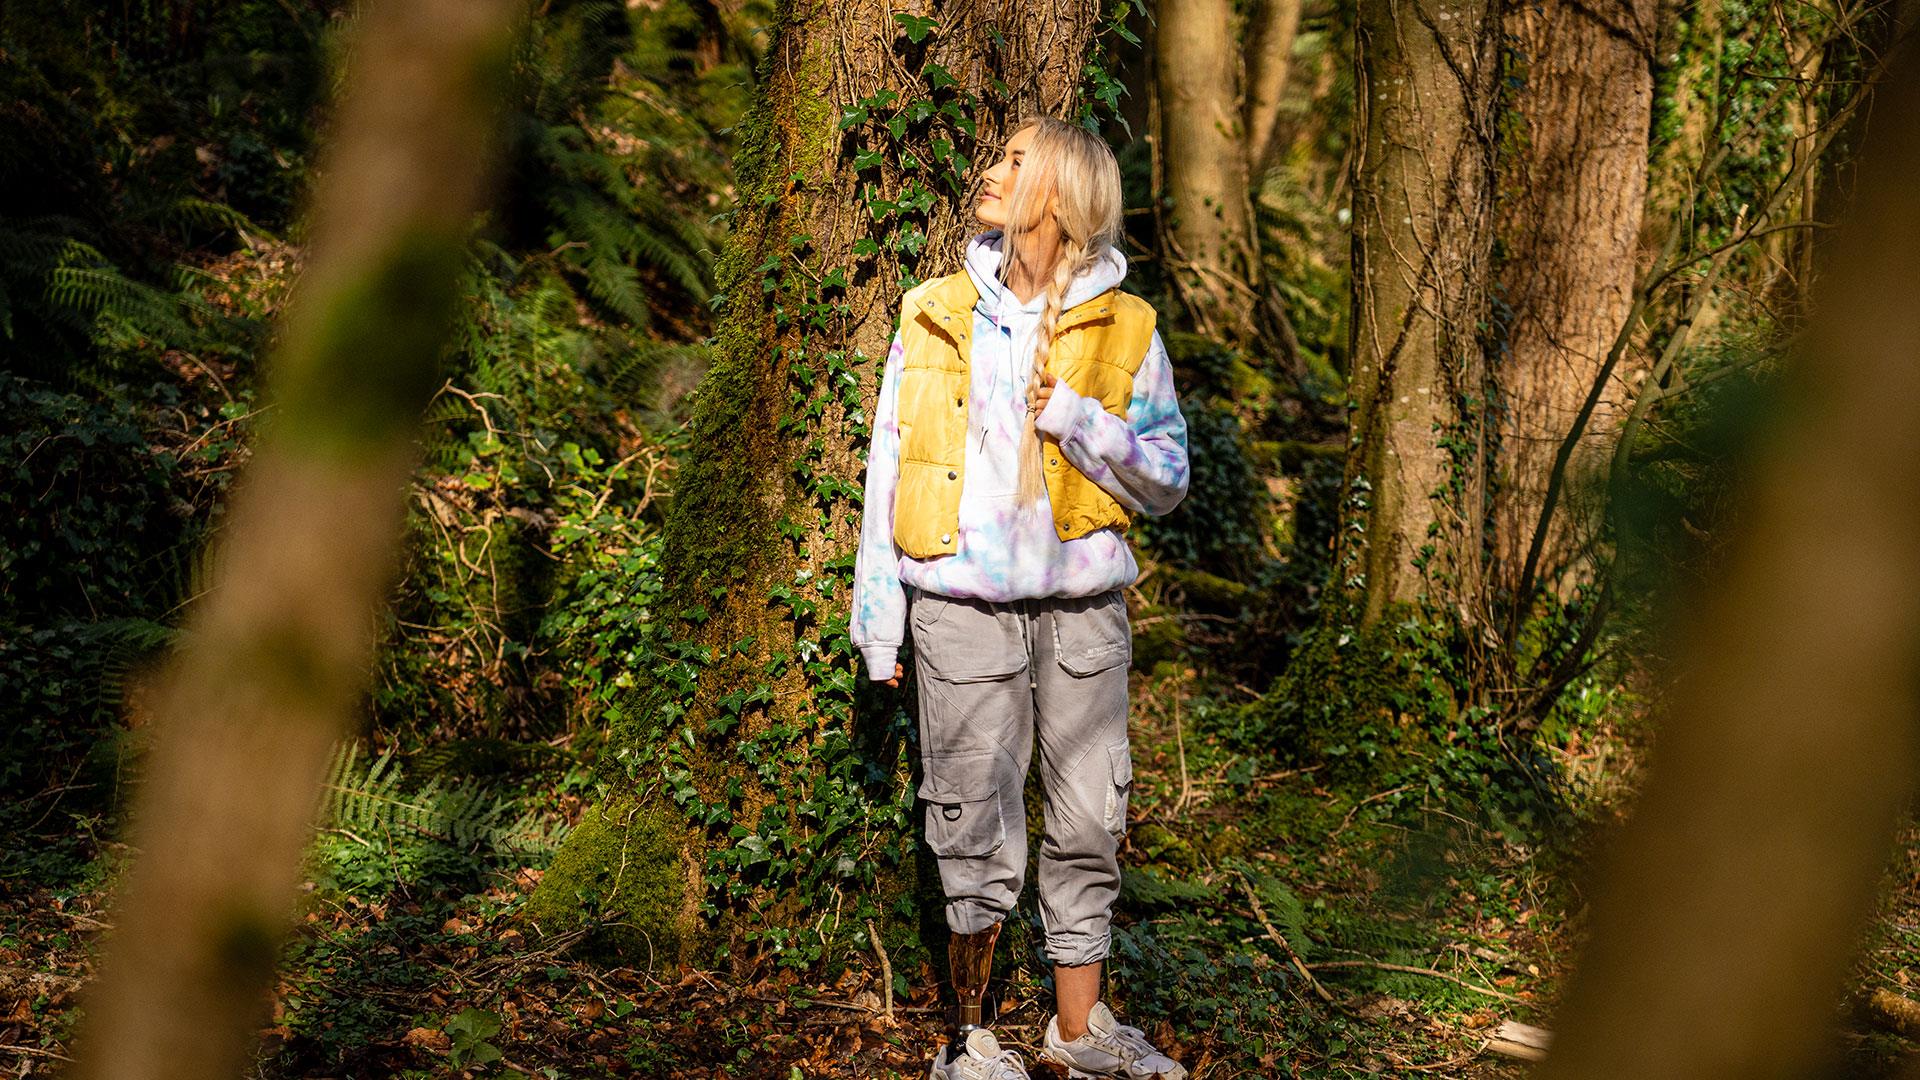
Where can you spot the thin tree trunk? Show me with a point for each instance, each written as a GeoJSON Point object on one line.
{"type": "Point", "coordinates": [1422, 240]}
{"type": "Point", "coordinates": [1724, 923]}
{"type": "Point", "coordinates": [1207, 237]}
{"type": "Point", "coordinates": [1273, 26]}
{"type": "Point", "coordinates": [1574, 186]}
{"type": "Point", "coordinates": [743, 789]}
{"type": "Point", "coordinates": [277, 659]}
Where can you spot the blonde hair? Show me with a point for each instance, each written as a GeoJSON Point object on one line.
{"type": "Point", "coordinates": [1075, 170]}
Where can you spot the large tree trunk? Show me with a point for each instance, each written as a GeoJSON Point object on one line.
{"type": "Point", "coordinates": [1422, 239]}
{"type": "Point", "coordinates": [1207, 229]}
{"type": "Point", "coordinates": [1573, 188]}
{"type": "Point", "coordinates": [276, 659]}
{"type": "Point", "coordinates": [745, 800]}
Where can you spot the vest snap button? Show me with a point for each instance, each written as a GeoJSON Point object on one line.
{"type": "Point", "coordinates": [946, 538]}
{"type": "Point", "coordinates": [951, 475]}
{"type": "Point", "coordinates": [1055, 461]}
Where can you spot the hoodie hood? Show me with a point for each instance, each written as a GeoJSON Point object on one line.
{"type": "Point", "coordinates": [985, 253]}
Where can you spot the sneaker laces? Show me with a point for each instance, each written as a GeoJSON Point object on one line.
{"type": "Point", "coordinates": [1005, 1065]}
{"type": "Point", "coordinates": [1124, 1041]}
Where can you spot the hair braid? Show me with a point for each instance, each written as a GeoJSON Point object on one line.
{"type": "Point", "coordinates": [1070, 188]}
{"type": "Point", "coordinates": [1074, 258]}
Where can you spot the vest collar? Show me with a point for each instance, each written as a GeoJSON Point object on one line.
{"type": "Point", "coordinates": [954, 296]}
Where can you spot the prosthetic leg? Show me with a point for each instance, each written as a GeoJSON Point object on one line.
{"type": "Point", "coordinates": [970, 956]}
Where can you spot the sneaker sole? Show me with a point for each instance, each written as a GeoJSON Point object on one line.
{"type": "Point", "coordinates": [1080, 1074]}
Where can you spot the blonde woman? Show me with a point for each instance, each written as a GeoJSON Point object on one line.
{"type": "Point", "coordinates": [1026, 411]}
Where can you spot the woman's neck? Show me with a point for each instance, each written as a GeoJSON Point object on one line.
{"type": "Point", "coordinates": [1032, 266]}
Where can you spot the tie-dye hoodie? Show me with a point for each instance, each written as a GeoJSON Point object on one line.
{"type": "Point", "coordinates": [1006, 553]}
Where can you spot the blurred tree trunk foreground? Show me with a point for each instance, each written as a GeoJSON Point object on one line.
{"type": "Point", "coordinates": [1725, 919]}
{"type": "Point", "coordinates": [277, 657]}
{"type": "Point", "coordinates": [744, 800]}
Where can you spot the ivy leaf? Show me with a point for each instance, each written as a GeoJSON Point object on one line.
{"type": "Point", "coordinates": [917, 26]}
{"type": "Point", "coordinates": [867, 159]}
{"type": "Point", "coordinates": [938, 77]}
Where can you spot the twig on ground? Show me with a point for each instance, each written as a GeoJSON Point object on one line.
{"type": "Point", "coordinates": [854, 1006]}
{"type": "Point", "coordinates": [1274, 935]}
{"type": "Point", "coordinates": [886, 970]}
{"type": "Point", "coordinates": [1180, 743]}
{"type": "Point", "coordinates": [35, 1052]}
{"type": "Point", "coordinates": [1377, 965]}
{"type": "Point", "coordinates": [1348, 820]}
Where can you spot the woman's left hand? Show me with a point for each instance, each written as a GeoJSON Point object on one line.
{"type": "Point", "coordinates": [1042, 392]}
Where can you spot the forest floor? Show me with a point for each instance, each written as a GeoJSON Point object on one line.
{"type": "Point", "coordinates": [1423, 929]}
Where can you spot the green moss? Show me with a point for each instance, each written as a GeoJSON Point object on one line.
{"type": "Point", "coordinates": [620, 872]}
{"type": "Point", "coordinates": [1347, 693]}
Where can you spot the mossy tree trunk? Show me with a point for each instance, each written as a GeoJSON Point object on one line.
{"type": "Point", "coordinates": [1422, 243]}
{"type": "Point", "coordinates": [752, 807]}
{"type": "Point", "coordinates": [1572, 189]}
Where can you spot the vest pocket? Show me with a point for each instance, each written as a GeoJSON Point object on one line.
{"type": "Point", "coordinates": [964, 815]}
{"type": "Point", "coordinates": [1091, 634]}
{"type": "Point", "coordinates": [962, 641]}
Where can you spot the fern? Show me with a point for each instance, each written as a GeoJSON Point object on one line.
{"type": "Point", "coordinates": [370, 801]}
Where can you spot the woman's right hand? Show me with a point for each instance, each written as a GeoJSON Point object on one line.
{"type": "Point", "coordinates": [898, 672]}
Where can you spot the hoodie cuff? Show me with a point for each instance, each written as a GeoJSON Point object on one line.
{"type": "Point", "coordinates": [880, 660]}
{"type": "Point", "coordinates": [1063, 414]}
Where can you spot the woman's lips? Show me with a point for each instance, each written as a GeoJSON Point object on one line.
{"type": "Point", "coordinates": [985, 195]}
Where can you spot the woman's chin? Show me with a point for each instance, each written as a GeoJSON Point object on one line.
{"type": "Point", "coordinates": [988, 214]}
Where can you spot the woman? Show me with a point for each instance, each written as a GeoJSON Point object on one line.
{"type": "Point", "coordinates": [1027, 408]}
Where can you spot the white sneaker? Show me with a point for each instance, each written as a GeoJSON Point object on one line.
{"type": "Point", "coordinates": [980, 1058]}
{"type": "Point", "coordinates": [1109, 1048]}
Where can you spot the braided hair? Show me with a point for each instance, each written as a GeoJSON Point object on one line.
{"type": "Point", "coordinates": [1068, 186]}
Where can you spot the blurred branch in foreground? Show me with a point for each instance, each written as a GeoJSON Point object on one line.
{"type": "Point", "coordinates": [1725, 918]}
{"type": "Point", "coordinates": [277, 659]}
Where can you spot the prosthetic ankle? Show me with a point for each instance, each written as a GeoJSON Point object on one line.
{"type": "Point", "coordinates": [970, 956]}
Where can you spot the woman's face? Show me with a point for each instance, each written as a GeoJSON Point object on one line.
{"type": "Point", "coordinates": [992, 207]}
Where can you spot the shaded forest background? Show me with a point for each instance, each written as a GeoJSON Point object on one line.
{"type": "Point", "coordinates": [1472, 318]}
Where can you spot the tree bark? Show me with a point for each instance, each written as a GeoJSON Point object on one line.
{"type": "Point", "coordinates": [1723, 925]}
{"type": "Point", "coordinates": [1207, 230]}
{"type": "Point", "coordinates": [1422, 240]}
{"type": "Point", "coordinates": [278, 656]}
{"type": "Point", "coordinates": [1573, 188]}
{"type": "Point", "coordinates": [1274, 24]}
{"type": "Point", "coordinates": [744, 798]}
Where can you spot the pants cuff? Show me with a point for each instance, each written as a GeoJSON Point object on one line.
{"type": "Point", "coordinates": [970, 917]}
{"type": "Point", "coordinates": [1074, 950]}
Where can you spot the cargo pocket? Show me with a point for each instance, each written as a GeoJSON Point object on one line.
{"type": "Point", "coordinates": [962, 793]}
{"type": "Point", "coordinates": [1120, 760]}
{"type": "Point", "coordinates": [962, 641]}
{"type": "Point", "coordinates": [1091, 635]}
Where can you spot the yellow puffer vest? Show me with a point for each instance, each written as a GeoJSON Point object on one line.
{"type": "Point", "coordinates": [1097, 350]}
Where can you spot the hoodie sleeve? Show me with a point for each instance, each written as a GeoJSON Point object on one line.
{"type": "Point", "coordinates": [879, 618]}
{"type": "Point", "coordinates": [1140, 460]}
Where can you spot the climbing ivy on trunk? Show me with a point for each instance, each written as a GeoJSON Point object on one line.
{"type": "Point", "coordinates": [758, 799]}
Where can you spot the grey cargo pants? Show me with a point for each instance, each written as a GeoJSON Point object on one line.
{"type": "Point", "coordinates": [989, 675]}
